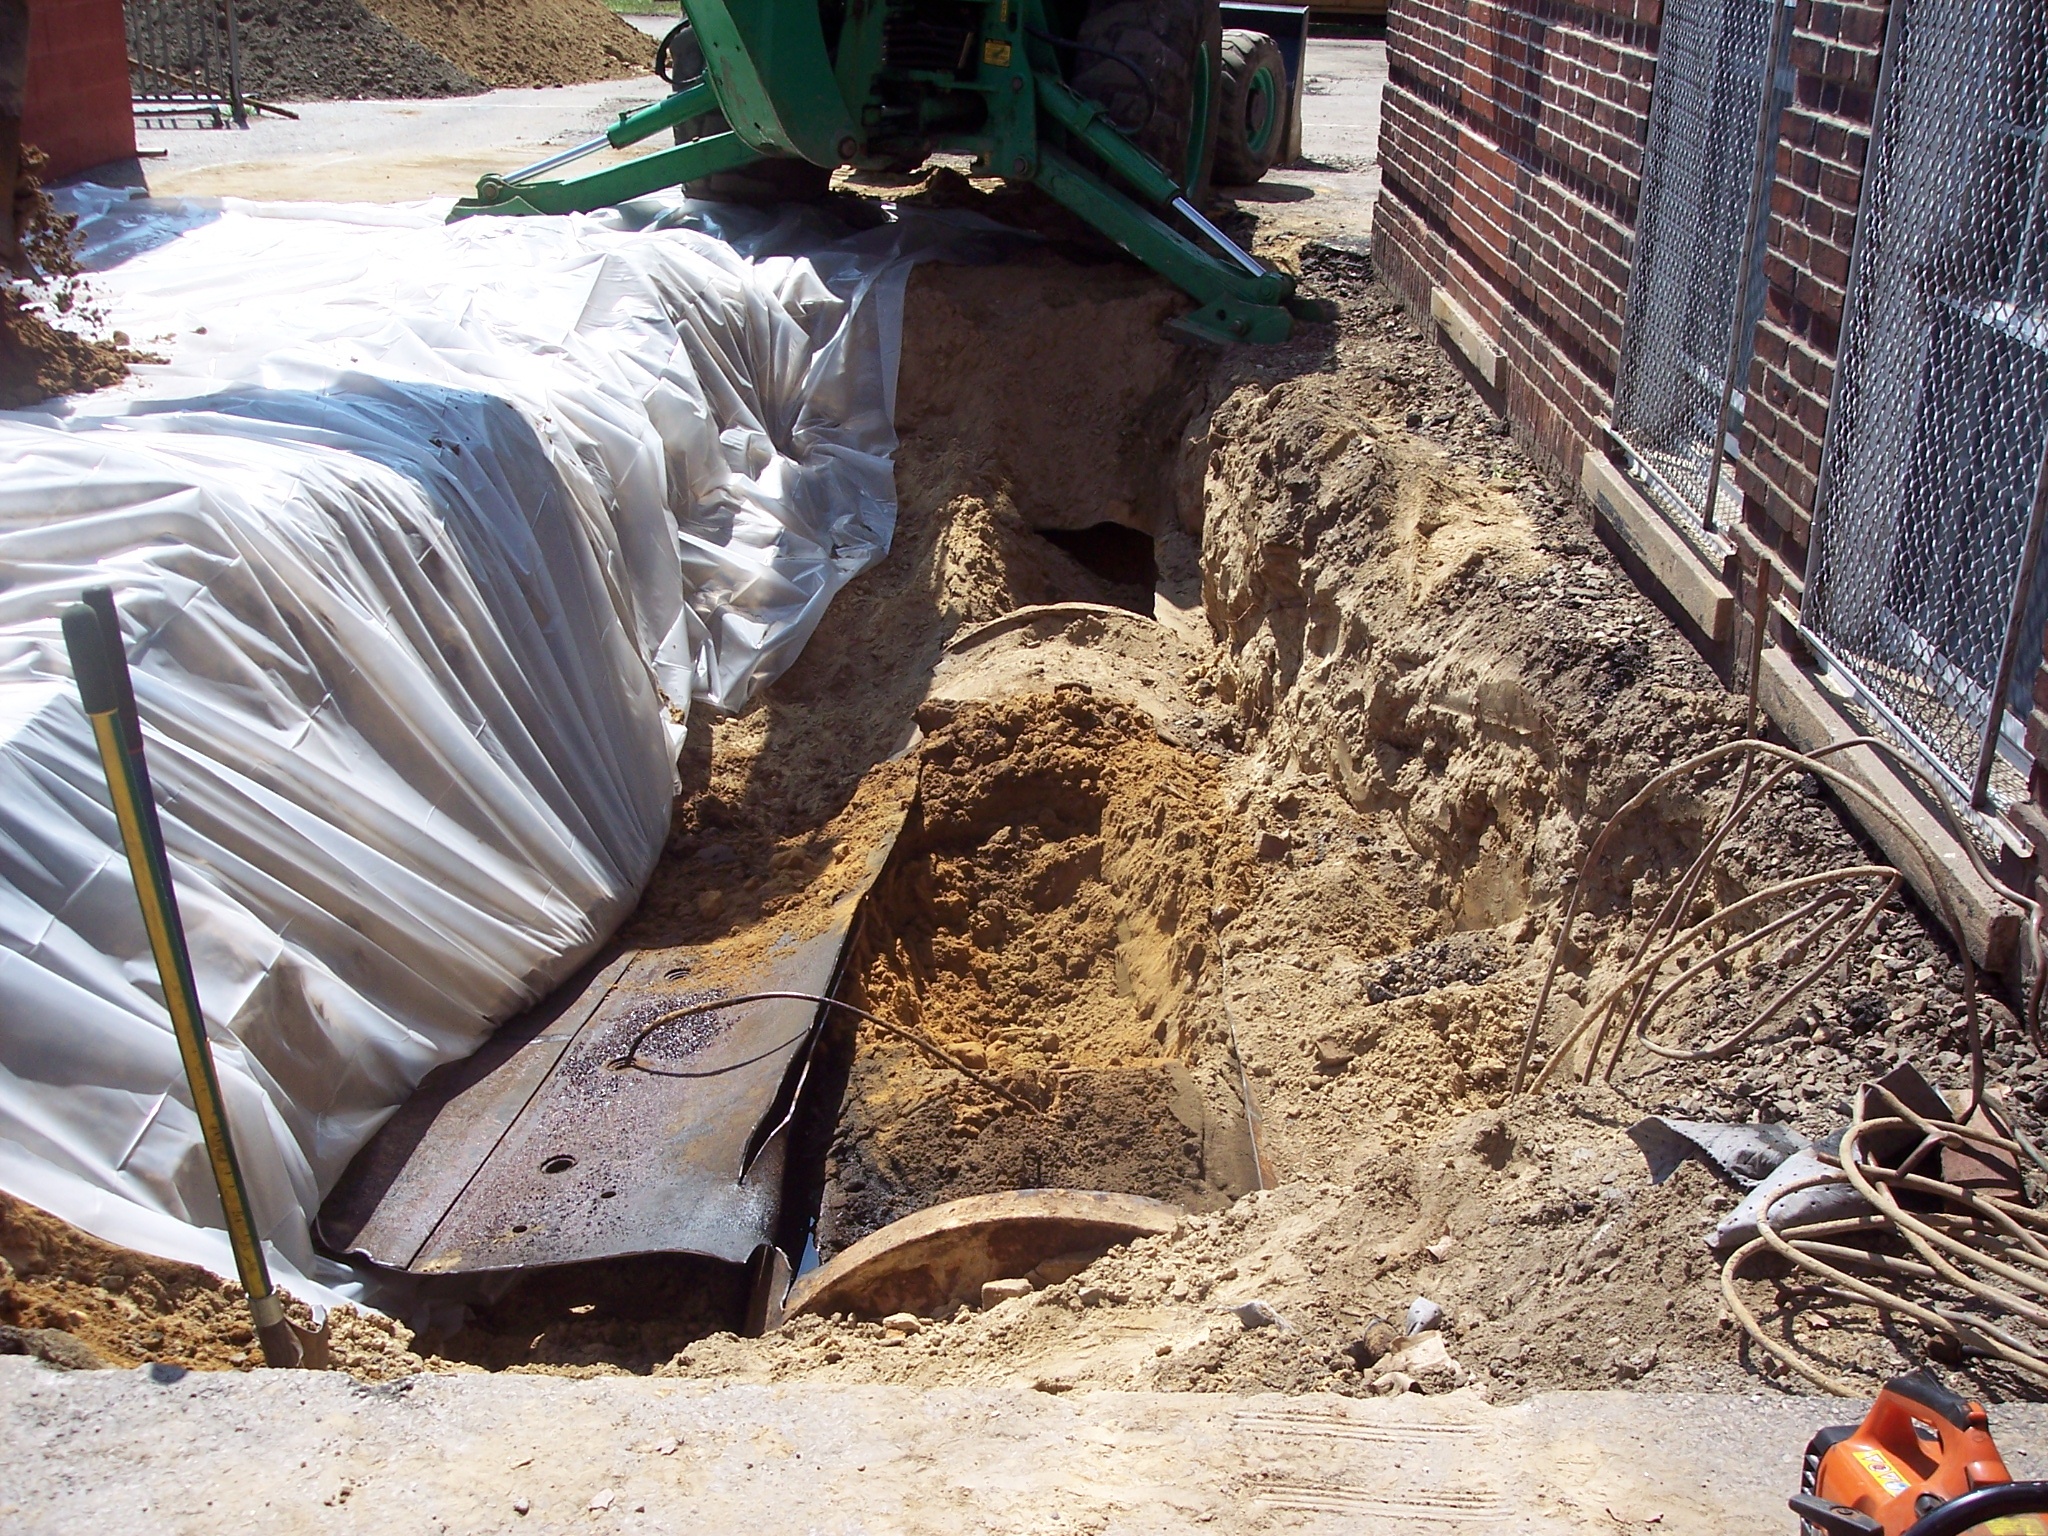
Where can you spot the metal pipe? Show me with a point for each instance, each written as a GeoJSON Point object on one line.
{"type": "Point", "coordinates": [1763, 173]}
{"type": "Point", "coordinates": [1229, 247]}
{"type": "Point", "coordinates": [101, 671]}
{"type": "Point", "coordinates": [2008, 650]}
{"type": "Point", "coordinates": [553, 162]}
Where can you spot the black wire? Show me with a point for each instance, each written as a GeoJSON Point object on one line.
{"type": "Point", "coordinates": [1137, 74]}
{"type": "Point", "coordinates": [631, 1061]}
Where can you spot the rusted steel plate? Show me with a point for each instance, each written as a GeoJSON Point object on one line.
{"type": "Point", "coordinates": [399, 1187]}
{"type": "Point", "coordinates": [557, 1143]}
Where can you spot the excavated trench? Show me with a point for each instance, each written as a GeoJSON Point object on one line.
{"type": "Point", "coordinates": [1047, 919]}
{"type": "Point", "coordinates": [1088, 842]}
{"type": "Point", "coordinates": [1045, 916]}
{"type": "Point", "coordinates": [1258, 708]}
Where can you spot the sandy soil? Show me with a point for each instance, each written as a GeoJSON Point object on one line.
{"type": "Point", "coordinates": [82, 1304]}
{"type": "Point", "coordinates": [39, 358]}
{"type": "Point", "coordinates": [524, 42]}
{"type": "Point", "coordinates": [1313, 819]}
{"type": "Point", "coordinates": [1044, 918]}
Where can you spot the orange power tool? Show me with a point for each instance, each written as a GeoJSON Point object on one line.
{"type": "Point", "coordinates": [1922, 1463]}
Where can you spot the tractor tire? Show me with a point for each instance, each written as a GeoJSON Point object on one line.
{"type": "Point", "coordinates": [1252, 125]}
{"type": "Point", "coordinates": [782, 179]}
{"type": "Point", "coordinates": [1162, 40]}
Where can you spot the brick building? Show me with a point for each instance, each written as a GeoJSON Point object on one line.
{"type": "Point", "coordinates": [1551, 165]}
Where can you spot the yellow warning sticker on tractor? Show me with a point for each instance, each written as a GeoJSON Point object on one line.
{"type": "Point", "coordinates": [1879, 1466]}
{"type": "Point", "coordinates": [995, 53]}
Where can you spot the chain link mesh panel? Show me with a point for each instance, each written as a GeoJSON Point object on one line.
{"type": "Point", "coordinates": [1699, 175]}
{"type": "Point", "coordinates": [183, 60]}
{"type": "Point", "coordinates": [1939, 423]}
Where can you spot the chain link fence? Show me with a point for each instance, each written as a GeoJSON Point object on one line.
{"type": "Point", "coordinates": [1934, 475]}
{"type": "Point", "coordinates": [184, 61]}
{"type": "Point", "coordinates": [1696, 290]}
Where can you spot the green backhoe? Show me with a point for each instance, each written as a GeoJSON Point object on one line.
{"type": "Point", "coordinates": [1117, 109]}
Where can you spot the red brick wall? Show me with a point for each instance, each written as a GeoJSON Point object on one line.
{"type": "Point", "coordinates": [1511, 147]}
{"type": "Point", "coordinates": [1511, 150]}
{"type": "Point", "coordinates": [78, 109]}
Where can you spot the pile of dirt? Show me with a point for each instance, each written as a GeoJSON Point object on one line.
{"type": "Point", "coordinates": [84, 1304]}
{"type": "Point", "coordinates": [525, 42]}
{"type": "Point", "coordinates": [337, 50]}
{"type": "Point", "coordinates": [48, 326]}
{"type": "Point", "coordinates": [346, 50]}
{"type": "Point", "coordinates": [1047, 920]}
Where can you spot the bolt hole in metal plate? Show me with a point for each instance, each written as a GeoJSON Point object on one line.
{"type": "Point", "coordinates": [683, 1153]}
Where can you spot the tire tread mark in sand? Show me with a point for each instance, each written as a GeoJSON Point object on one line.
{"type": "Point", "coordinates": [1433, 1500]}
{"type": "Point", "coordinates": [1338, 1427]}
{"type": "Point", "coordinates": [1336, 1499]}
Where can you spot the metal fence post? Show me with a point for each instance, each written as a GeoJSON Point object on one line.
{"type": "Point", "coordinates": [1700, 216]}
{"type": "Point", "coordinates": [1763, 177]}
{"type": "Point", "coordinates": [2008, 651]}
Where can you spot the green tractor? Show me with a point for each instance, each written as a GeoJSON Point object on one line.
{"type": "Point", "coordinates": [1120, 110]}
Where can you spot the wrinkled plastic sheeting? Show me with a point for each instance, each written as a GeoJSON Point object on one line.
{"type": "Point", "coordinates": [423, 538]}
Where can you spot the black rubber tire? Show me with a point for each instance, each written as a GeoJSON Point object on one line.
{"type": "Point", "coordinates": [1163, 39]}
{"type": "Point", "coordinates": [783, 179]}
{"type": "Point", "coordinates": [1251, 127]}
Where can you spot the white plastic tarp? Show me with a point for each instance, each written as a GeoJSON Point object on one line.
{"type": "Point", "coordinates": [423, 538]}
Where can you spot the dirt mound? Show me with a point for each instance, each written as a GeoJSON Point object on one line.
{"type": "Point", "coordinates": [346, 50]}
{"type": "Point", "coordinates": [525, 42]}
{"type": "Point", "coordinates": [337, 50]}
{"type": "Point", "coordinates": [39, 358]}
{"type": "Point", "coordinates": [1047, 918]}
{"type": "Point", "coordinates": [119, 1308]}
